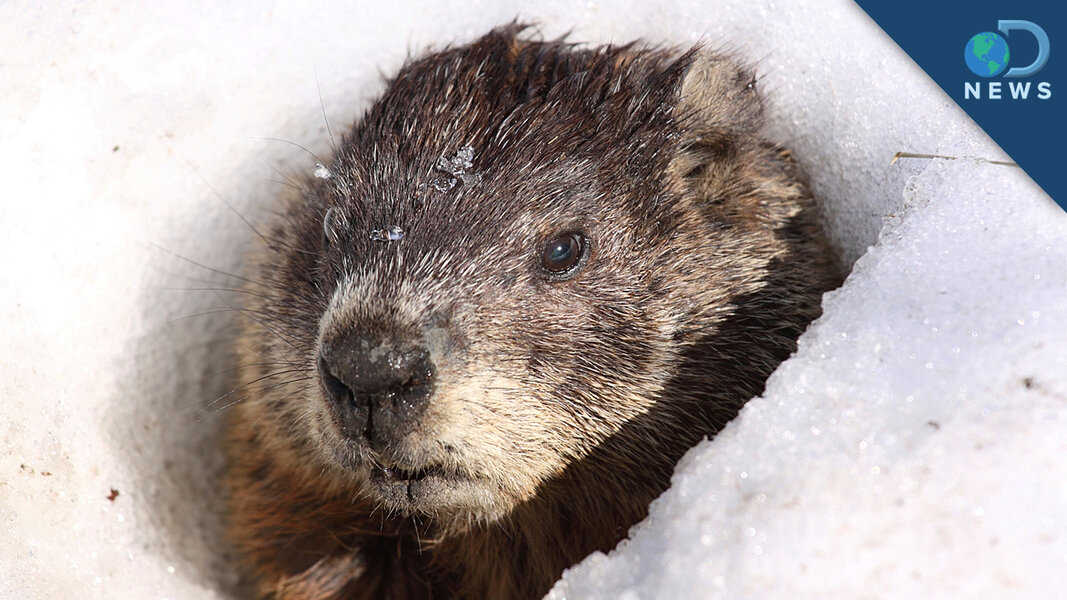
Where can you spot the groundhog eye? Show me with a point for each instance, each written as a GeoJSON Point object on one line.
{"type": "Point", "coordinates": [562, 255]}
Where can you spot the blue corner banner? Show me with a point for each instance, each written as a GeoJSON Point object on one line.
{"type": "Point", "coordinates": [1004, 63]}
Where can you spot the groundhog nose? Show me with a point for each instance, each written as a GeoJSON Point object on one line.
{"type": "Point", "coordinates": [377, 389]}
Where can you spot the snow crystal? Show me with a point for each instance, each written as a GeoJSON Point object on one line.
{"type": "Point", "coordinates": [393, 233]}
{"type": "Point", "coordinates": [458, 167]}
{"type": "Point", "coordinates": [443, 184]}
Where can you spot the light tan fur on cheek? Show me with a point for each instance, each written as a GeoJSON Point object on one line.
{"type": "Point", "coordinates": [495, 433]}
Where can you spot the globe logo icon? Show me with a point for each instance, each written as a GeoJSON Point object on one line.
{"type": "Point", "coordinates": [986, 54]}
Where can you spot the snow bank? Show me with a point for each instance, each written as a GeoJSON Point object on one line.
{"type": "Point", "coordinates": [912, 447]}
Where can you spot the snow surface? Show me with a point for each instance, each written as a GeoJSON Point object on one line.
{"type": "Point", "coordinates": [914, 447]}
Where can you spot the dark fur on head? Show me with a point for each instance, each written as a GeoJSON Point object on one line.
{"type": "Point", "coordinates": [558, 406]}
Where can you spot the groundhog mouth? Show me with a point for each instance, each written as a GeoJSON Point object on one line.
{"type": "Point", "coordinates": [429, 490]}
{"type": "Point", "coordinates": [396, 474]}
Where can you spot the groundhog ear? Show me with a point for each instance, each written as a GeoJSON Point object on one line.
{"type": "Point", "coordinates": [718, 110]}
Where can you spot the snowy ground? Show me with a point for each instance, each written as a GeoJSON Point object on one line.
{"type": "Point", "coordinates": [914, 447]}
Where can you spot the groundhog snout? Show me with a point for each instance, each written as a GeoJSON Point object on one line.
{"type": "Point", "coordinates": [375, 388]}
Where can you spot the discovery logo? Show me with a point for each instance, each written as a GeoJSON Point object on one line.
{"type": "Point", "coordinates": [987, 55]}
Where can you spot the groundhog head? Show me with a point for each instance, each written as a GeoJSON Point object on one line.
{"type": "Point", "coordinates": [531, 263]}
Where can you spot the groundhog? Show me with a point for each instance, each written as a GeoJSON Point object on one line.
{"type": "Point", "coordinates": [480, 337]}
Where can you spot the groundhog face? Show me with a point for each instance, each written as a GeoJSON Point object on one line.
{"type": "Point", "coordinates": [517, 251]}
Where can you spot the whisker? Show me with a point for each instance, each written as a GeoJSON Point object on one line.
{"type": "Point", "coordinates": [292, 183]}
{"type": "Point", "coordinates": [322, 105]}
{"type": "Point", "coordinates": [291, 143]}
{"type": "Point", "coordinates": [228, 205]}
{"type": "Point", "coordinates": [206, 313]}
{"type": "Point", "coordinates": [247, 385]}
{"type": "Point", "coordinates": [267, 389]}
{"type": "Point", "coordinates": [200, 265]}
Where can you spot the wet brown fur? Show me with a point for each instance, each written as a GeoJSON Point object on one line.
{"type": "Point", "coordinates": [570, 401]}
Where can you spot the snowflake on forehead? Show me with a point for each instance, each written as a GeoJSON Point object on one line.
{"type": "Point", "coordinates": [458, 167]}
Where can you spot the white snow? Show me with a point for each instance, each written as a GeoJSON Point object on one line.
{"type": "Point", "coordinates": [914, 447]}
